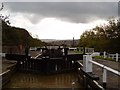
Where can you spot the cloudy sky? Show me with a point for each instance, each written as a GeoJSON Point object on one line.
{"type": "Point", "coordinates": [59, 20]}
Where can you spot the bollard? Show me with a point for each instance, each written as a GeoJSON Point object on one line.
{"type": "Point", "coordinates": [87, 65]}
{"type": "Point", "coordinates": [116, 57]}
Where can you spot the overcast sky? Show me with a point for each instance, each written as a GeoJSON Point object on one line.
{"type": "Point", "coordinates": [59, 20]}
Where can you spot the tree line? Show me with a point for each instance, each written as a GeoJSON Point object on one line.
{"type": "Point", "coordinates": [14, 36]}
{"type": "Point", "coordinates": [103, 38]}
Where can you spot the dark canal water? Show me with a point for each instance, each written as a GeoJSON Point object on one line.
{"type": "Point", "coordinates": [28, 80]}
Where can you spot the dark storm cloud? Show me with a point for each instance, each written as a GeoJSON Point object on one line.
{"type": "Point", "coordinates": [78, 12]}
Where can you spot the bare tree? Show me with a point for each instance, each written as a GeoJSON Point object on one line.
{"type": "Point", "coordinates": [1, 7]}
{"type": "Point", "coordinates": [4, 18]}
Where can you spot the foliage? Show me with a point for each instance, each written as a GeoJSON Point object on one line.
{"type": "Point", "coordinates": [15, 36]}
{"type": "Point", "coordinates": [103, 38]}
{"type": "Point", "coordinates": [4, 18]}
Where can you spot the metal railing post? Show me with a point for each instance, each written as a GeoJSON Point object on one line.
{"type": "Point", "coordinates": [116, 57]}
{"type": "Point", "coordinates": [104, 78]}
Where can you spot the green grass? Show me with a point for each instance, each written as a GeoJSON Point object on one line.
{"type": "Point", "coordinates": [101, 57]}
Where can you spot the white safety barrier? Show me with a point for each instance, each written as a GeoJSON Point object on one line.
{"type": "Point", "coordinates": [37, 56]}
{"type": "Point", "coordinates": [113, 56]}
{"type": "Point", "coordinates": [87, 67]}
{"type": "Point", "coordinates": [4, 72]}
{"type": "Point", "coordinates": [2, 54]}
{"type": "Point", "coordinates": [95, 54]}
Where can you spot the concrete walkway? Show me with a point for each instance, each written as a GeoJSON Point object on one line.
{"type": "Point", "coordinates": [113, 81]}
{"type": "Point", "coordinates": [112, 64]}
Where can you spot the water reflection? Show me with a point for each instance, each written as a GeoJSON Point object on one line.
{"type": "Point", "coordinates": [27, 80]}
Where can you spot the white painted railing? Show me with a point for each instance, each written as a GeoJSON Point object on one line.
{"type": "Point", "coordinates": [4, 72]}
{"type": "Point", "coordinates": [87, 67]}
{"type": "Point", "coordinates": [2, 54]}
{"type": "Point", "coordinates": [113, 56]}
{"type": "Point", "coordinates": [37, 56]}
{"type": "Point", "coordinates": [107, 68]}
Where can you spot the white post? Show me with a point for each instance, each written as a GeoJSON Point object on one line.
{"type": "Point", "coordinates": [104, 54]}
{"type": "Point", "coordinates": [63, 51]}
{"type": "Point", "coordinates": [87, 65]}
{"type": "Point", "coordinates": [41, 50]}
{"type": "Point", "coordinates": [104, 77]}
{"type": "Point", "coordinates": [113, 56]}
{"type": "Point", "coordinates": [116, 57]}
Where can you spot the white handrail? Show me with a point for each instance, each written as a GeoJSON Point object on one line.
{"type": "Point", "coordinates": [37, 56]}
{"type": "Point", "coordinates": [87, 67]}
{"type": "Point", "coordinates": [79, 63]}
{"type": "Point", "coordinates": [107, 68]}
{"type": "Point", "coordinates": [4, 72]}
{"type": "Point", "coordinates": [113, 56]}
